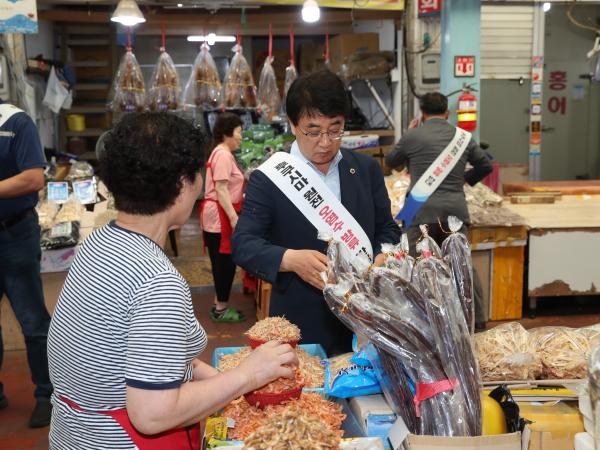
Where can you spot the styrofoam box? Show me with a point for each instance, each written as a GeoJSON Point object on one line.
{"type": "Point", "coordinates": [311, 349]}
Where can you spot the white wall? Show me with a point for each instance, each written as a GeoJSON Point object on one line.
{"type": "Point", "coordinates": [42, 42]}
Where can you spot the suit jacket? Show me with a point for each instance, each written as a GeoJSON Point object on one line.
{"type": "Point", "coordinates": [269, 224]}
{"type": "Point", "coordinates": [418, 148]}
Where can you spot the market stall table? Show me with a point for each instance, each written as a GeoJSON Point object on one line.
{"type": "Point", "coordinates": [564, 243]}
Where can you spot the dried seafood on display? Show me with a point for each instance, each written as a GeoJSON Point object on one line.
{"type": "Point", "coordinates": [563, 351]}
{"type": "Point", "coordinates": [594, 387]}
{"type": "Point", "coordinates": [292, 429]}
{"type": "Point", "coordinates": [313, 372]}
{"type": "Point", "coordinates": [397, 185]}
{"type": "Point", "coordinates": [204, 85]}
{"type": "Point", "coordinates": [238, 86]}
{"type": "Point", "coordinates": [398, 258]}
{"type": "Point", "coordinates": [71, 211]}
{"type": "Point", "coordinates": [165, 89]}
{"type": "Point", "coordinates": [494, 216]}
{"type": "Point", "coordinates": [274, 329]}
{"type": "Point", "coordinates": [481, 195]}
{"type": "Point", "coordinates": [419, 327]}
{"type": "Point", "coordinates": [505, 354]}
{"type": "Point", "coordinates": [129, 91]}
{"type": "Point", "coordinates": [249, 418]}
{"type": "Point", "coordinates": [282, 384]}
{"type": "Point", "coordinates": [457, 254]}
{"type": "Point", "coordinates": [269, 100]}
{"type": "Point", "coordinates": [290, 76]}
{"type": "Point", "coordinates": [46, 211]}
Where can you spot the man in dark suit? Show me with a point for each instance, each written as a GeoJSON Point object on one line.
{"type": "Point", "coordinates": [276, 242]}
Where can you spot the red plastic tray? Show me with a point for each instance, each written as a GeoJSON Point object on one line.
{"type": "Point", "coordinates": [254, 343]}
{"type": "Point", "coordinates": [260, 400]}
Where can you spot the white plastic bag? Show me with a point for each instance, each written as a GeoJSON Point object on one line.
{"type": "Point", "coordinates": [268, 92]}
{"type": "Point", "coordinates": [56, 93]}
{"type": "Point", "coordinates": [165, 88]}
{"type": "Point", "coordinates": [204, 86]}
{"type": "Point", "coordinates": [239, 89]}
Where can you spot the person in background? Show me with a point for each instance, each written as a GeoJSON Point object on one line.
{"type": "Point", "coordinates": [124, 341]}
{"type": "Point", "coordinates": [219, 212]}
{"type": "Point", "coordinates": [275, 241]}
{"type": "Point", "coordinates": [418, 148]}
{"type": "Point", "coordinates": [22, 164]}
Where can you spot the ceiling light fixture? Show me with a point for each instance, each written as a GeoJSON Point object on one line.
{"type": "Point", "coordinates": [128, 13]}
{"type": "Point", "coordinates": [311, 11]}
{"type": "Point", "coordinates": [211, 38]}
{"type": "Point", "coordinates": [546, 6]}
{"type": "Point", "coordinates": [180, 5]}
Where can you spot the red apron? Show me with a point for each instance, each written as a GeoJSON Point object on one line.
{"type": "Point", "coordinates": [226, 230]}
{"type": "Point", "coordinates": [187, 438]}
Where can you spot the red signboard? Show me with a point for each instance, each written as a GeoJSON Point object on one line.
{"type": "Point", "coordinates": [464, 66]}
{"type": "Point", "coordinates": [429, 7]}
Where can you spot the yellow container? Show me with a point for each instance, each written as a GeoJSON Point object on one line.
{"type": "Point", "coordinates": [76, 122]}
{"type": "Point", "coordinates": [493, 416]}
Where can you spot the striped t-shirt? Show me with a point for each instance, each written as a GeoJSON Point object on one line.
{"type": "Point", "coordinates": [123, 318]}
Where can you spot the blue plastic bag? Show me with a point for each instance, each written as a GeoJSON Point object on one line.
{"type": "Point", "coordinates": [345, 378]}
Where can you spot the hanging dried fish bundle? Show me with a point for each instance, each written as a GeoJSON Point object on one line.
{"type": "Point", "coordinates": [269, 100]}
{"type": "Point", "coordinates": [239, 88]}
{"type": "Point", "coordinates": [129, 91]}
{"type": "Point", "coordinates": [165, 89]}
{"type": "Point", "coordinates": [204, 85]}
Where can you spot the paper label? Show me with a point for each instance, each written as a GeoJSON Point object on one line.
{"type": "Point", "coordinates": [58, 192]}
{"type": "Point", "coordinates": [398, 433]}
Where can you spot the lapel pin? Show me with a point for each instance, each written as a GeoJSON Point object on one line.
{"type": "Point", "coordinates": [352, 170]}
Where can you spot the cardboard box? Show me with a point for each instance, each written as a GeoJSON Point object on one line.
{"type": "Point", "coordinates": [374, 415]}
{"type": "Point", "coordinates": [344, 45]}
{"type": "Point", "coordinates": [511, 441]}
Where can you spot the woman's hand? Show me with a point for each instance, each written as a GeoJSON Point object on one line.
{"type": "Point", "coordinates": [267, 363]}
{"type": "Point", "coordinates": [233, 220]}
{"type": "Point", "coordinates": [307, 264]}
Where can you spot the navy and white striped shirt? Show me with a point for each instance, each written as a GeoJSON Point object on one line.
{"type": "Point", "coordinates": [123, 318]}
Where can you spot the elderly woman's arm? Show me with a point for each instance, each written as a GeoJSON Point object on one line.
{"type": "Point", "coordinates": [224, 200]}
{"type": "Point", "coordinates": [155, 411]}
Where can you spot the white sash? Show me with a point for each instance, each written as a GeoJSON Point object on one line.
{"type": "Point", "coordinates": [442, 166]}
{"type": "Point", "coordinates": [307, 192]}
{"type": "Point", "coordinates": [7, 111]}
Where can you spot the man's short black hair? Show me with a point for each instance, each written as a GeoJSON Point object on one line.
{"type": "Point", "coordinates": [321, 92]}
{"type": "Point", "coordinates": [433, 104]}
{"type": "Point", "coordinates": [225, 125]}
{"type": "Point", "coordinates": [145, 157]}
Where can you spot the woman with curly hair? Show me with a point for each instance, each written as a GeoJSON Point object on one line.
{"type": "Point", "coordinates": [219, 212]}
{"type": "Point", "coordinates": [124, 341]}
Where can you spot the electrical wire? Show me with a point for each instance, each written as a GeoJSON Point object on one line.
{"type": "Point", "coordinates": [577, 23]}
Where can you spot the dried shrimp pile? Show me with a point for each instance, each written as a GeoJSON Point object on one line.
{"type": "Point", "coordinates": [282, 384]}
{"type": "Point", "coordinates": [292, 429]}
{"type": "Point", "coordinates": [249, 418]}
{"type": "Point", "coordinates": [310, 366]}
{"type": "Point", "coordinates": [274, 329]}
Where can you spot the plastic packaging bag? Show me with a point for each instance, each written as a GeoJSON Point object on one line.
{"type": "Point", "coordinates": [563, 351]}
{"type": "Point", "coordinates": [398, 258]}
{"type": "Point", "coordinates": [128, 91]}
{"type": "Point", "coordinates": [61, 235]}
{"type": "Point", "coordinates": [204, 86]}
{"type": "Point", "coordinates": [239, 89]}
{"type": "Point", "coordinates": [85, 191]}
{"type": "Point", "coordinates": [505, 354]}
{"type": "Point", "coordinates": [594, 387]}
{"type": "Point", "coordinates": [165, 89]}
{"type": "Point", "coordinates": [344, 377]}
{"type": "Point", "coordinates": [46, 211]}
{"type": "Point", "coordinates": [268, 93]}
{"type": "Point", "coordinates": [457, 254]}
{"type": "Point", "coordinates": [290, 76]}
{"type": "Point", "coordinates": [71, 211]}
{"type": "Point", "coordinates": [80, 170]}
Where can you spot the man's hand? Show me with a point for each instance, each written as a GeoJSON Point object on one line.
{"type": "Point", "coordinates": [307, 264]}
{"type": "Point", "coordinates": [379, 260]}
{"type": "Point", "coordinates": [414, 123]}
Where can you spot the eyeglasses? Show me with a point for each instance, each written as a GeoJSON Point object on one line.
{"type": "Point", "coordinates": [316, 135]}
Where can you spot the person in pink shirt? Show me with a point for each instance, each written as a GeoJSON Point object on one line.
{"type": "Point", "coordinates": [219, 211]}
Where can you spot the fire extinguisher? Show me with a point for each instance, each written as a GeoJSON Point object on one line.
{"type": "Point", "coordinates": [467, 111]}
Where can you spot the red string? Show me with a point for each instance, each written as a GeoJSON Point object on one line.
{"type": "Point", "coordinates": [292, 52]}
{"type": "Point", "coordinates": [239, 37]}
{"type": "Point", "coordinates": [128, 40]}
{"type": "Point", "coordinates": [270, 41]}
{"type": "Point", "coordinates": [327, 46]}
{"type": "Point", "coordinates": [162, 33]}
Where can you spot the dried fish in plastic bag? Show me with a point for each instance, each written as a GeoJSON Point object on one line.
{"type": "Point", "coordinates": [238, 86]}
{"type": "Point", "coordinates": [269, 100]}
{"type": "Point", "coordinates": [457, 254]}
{"type": "Point", "coordinates": [398, 257]}
{"type": "Point", "coordinates": [290, 76]}
{"type": "Point", "coordinates": [129, 90]}
{"type": "Point", "coordinates": [165, 89]}
{"type": "Point", "coordinates": [505, 354]}
{"type": "Point", "coordinates": [204, 85]}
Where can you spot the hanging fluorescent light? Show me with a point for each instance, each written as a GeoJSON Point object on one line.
{"type": "Point", "coordinates": [310, 11]}
{"type": "Point", "coordinates": [128, 13]}
{"type": "Point", "coordinates": [546, 6]}
{"type": "Point", "coordinates": [211, 38]}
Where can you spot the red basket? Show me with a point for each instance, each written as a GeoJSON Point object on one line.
{"type": "Point", "coordinates": [260, 399]}
{"type": "Point", "coordinates": [254, 343]}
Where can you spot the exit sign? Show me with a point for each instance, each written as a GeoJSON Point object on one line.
{"type": "Point", "coordinates": [464, 66]}
{"type": "Point", "coordinates": [429, 7]}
